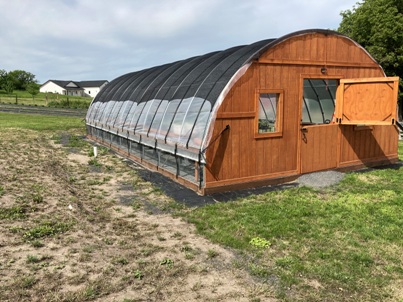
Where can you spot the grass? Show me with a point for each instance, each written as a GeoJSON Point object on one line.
{"type": "Point", "coordinates": [341, 243]}
{"type": "Point", "coordinates": [348, 238]}
{"type": "Point", "coordinates": [45, 99]}
{"type": "Point", "coordinates": [32, 122]}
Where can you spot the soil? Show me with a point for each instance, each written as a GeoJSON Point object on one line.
{"type": "Point", "coordinates": [78, 228]}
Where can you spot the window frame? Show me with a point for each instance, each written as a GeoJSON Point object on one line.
{"type": "Point", "coordinates": [279, 113]}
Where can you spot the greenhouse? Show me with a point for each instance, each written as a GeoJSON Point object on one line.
{"type": "Point", "coordinates": [252, 115]}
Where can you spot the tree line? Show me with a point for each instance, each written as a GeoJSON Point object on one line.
{"type": "Point", "coordinates": [18, 80]}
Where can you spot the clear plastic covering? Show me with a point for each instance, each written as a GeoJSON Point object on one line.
{"type": "Point", "coordinates": [318, 100]}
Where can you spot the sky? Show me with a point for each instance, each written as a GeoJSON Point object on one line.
{"type": "Point", "coordinates": [84, 40]}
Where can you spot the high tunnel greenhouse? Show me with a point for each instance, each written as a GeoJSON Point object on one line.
{"type": "Point", "coordinates": [253, 115]}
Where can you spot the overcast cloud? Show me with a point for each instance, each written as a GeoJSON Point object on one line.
{"type": "Point", "coordinates": [100, 40]}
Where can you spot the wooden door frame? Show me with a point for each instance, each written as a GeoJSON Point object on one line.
{"type": "Point", "coordinates": [300, 96]}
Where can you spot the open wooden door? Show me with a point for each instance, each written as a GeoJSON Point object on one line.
{"type": "Point", "coordinates": [367, 101]}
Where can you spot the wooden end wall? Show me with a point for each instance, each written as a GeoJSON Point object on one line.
{"type": "Point", "coordinates": [238, 156]}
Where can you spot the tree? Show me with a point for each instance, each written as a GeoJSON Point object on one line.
{"type": "Point", "coordinates": [3, 75]}
{"type": "Point", "coordinates": [8, 85]}
{"type": "Point", "coordinates": [378, 26]}
{"type": "Point", "coordinates": [33, 89]}
{"type": "Point", "coordinates": [21, 78]}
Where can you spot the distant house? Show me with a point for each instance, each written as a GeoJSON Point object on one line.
{"type": "Point", "coordinates": [75, 88]}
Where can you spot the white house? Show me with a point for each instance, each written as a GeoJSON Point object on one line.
{"type": "Point", "coordinates": [75, 88]}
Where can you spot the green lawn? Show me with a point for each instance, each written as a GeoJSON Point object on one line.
{"type": "Point", "coordinates": [39, 122]}
{"type": "Point", "coordinates": [343, 243]}
{"type": "Point", "coordinates": [22, 97]}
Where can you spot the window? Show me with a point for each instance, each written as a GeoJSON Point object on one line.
{"type": "Point", "coordinates": [318, 101]}
{"type": "Point", "coordinates": [269, 113]}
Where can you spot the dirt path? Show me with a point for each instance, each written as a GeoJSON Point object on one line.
{"type": "Point", "coordinates": [77, 229]}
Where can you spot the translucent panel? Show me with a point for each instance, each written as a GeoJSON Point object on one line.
{"type": "Point", "coordinates": [106, 112]}
{"type": "Point", "coordinates": [199, 129]}
{"type": "Point", "coordinates": [114, 113]}
{"type": "Point", "coordinates": [94, 112]}
{"type": "Point", "coordinates": [306, 118]}
{"type": "Point", "coordinates": [157, 118]}
{"type": "Point", "coordinates": [128, 119]}
{"type": "Point", "coordinates": [319, 96]}
{"type": "Point", "coordinates": [136, 115]}
{"type": "Point", "coordinates": [268, 104]}
{"type": "Point", "coordinates": [315, 111]}
{"type": "Point", "coordinates": [100, 112]}
{"type": "Point", "coordinates": [177, 123]}
{"type": "Point", "coordinates": [328, 109]}
{"type": "Point", "coordinates": [139, 126]}
{"type": "Point", "coordinates": [89, 111]}
{"type": "Point", "coordinates": [189, 120]}
{"type": "Point", "coordinates": [150, 115]}
{"type": "Point", "coordinates": [167, 119]}
{"type": "Point", "coordinates": [120, 118]}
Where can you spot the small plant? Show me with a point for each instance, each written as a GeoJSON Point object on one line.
{"type": "Point", "coordinates": [46, 229]}
{"type": "Point", "coordinates": [260, 242]}
{"type": "Point", "coordinates": [33, 259]}
{"type": "Point", "coordinates": [37, 243]}
{"type": "Point", "coordinates": [212, 253]}
{"type": "Point", "coordinates": [1, 191]}
{"type": "Point", "coordinates": [121, 261]}
{"type": "Point", "coordinates": [94, 162]}
{"type": "Point", "coordinates": [138, 274]}
{"type": "Point", "coordinates": [168, 262]}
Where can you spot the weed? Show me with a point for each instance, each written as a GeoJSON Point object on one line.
{"type": "Point", "coordinates": [121, 261]}
{"type": "Point", "coordinates": [94, 162]}
{"type": "Point", "coordinates": [138, 274]}
{"type": "Point", "coordinates": [167, 262]}
{"type": "Point", "coordinates": [26, 282]}
{"type": "Point", "coordinates": [1, 191]}
{"type": "Point", "coordinates": [177, 235]}
{"type": "Point", "coordinates": [13, 213]}
{"type": "Point", "coordinates": [212, 253]}
{"type": "Point", "coordinates": [33, 259]}
{"type": "Point", "coordinates": [259, 242]}
{"type": "Point", "coordinates": [46, 229]}
{"type": "Point", "coordinates": [37, 243]}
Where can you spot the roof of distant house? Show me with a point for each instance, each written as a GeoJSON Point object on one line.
{"type": "Point", "coordinates": [79, 84]}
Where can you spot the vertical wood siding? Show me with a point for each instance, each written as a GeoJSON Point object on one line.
{"type": "Point", "coordinates": [238, 156]}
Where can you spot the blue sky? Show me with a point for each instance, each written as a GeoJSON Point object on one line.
{"type": "Point", "coordinates": [101, 40]}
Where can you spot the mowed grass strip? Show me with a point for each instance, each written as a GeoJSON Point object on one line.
{"type": "Point", "coordinates": [342, 243]}
{"type": "Point", "coordinates": [39, 122]}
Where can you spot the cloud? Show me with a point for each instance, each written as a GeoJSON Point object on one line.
{"type": "Point", "coordinates": [90, 39]}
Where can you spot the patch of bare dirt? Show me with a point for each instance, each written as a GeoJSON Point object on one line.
{"type": "Point", "coordinates": [75, 228]}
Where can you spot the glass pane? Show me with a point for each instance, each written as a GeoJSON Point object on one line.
{"type": "Point", "coordinates": [268, 103]}
{"type": "Point", "coordinates": [128, 119]}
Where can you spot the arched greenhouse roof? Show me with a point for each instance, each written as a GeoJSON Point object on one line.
{"type": "Point", "coordinates": [174, 104]}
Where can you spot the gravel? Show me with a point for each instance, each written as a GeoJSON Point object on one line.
{"type": "Point", "coordinates": [320, 179]}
